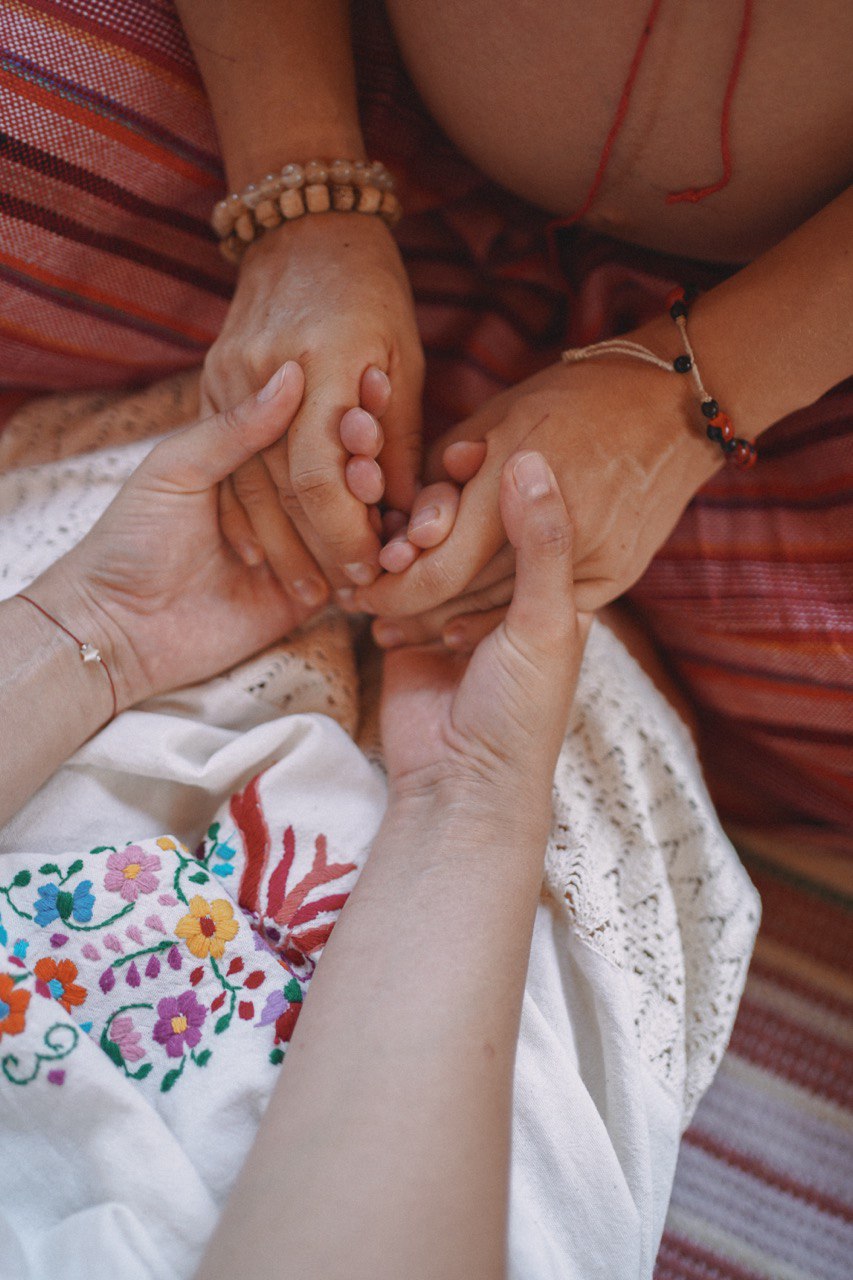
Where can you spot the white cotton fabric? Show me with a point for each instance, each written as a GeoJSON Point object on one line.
{"type": "Point", "coordinates": [639, 954]}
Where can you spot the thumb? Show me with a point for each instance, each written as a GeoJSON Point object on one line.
{"type": "Point", "coordinates": [400, 458]}
{"type": "Point", "coordinates": [202, 455]}
{"type": "Point", "coordinates": [542, 622]}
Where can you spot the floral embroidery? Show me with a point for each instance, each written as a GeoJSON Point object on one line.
{"type": "Point", "coordinates": [55, 903]}
{"type": "Point", "coordinates": [283, 1008]}
{"type": "Point", "coordinates": [55, 979]}
{"type": "Point", "coordinates": [58, 1041]}
{"type": "Point", "coordinates": [124, 1034]}
{"type": "Point", "coordinates": [13, 1006]}
{"type": "Point", "coordinates": [208, 927]}
{"type": "Point", "coordinates": [179, 1024]}
{"type": "Point", "coordinates": [130, 872]}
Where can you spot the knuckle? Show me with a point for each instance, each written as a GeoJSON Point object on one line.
{"type": "Point", "coordinates": [553, 537]}
{"type": "Point", "coordinates": [317, 485]}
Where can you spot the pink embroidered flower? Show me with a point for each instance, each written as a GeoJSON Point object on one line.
{"type": "Point", "coordinates": [130, 872]}
{"type": "Point", "coordinates": [124, 1034]}
{"type": "Point", "coordinates": [179, 1025]}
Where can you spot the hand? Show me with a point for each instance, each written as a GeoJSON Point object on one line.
{"type": "Point", "coordinates": [492, 727]}
{"type": "Point", "coordinates": [623, 442]}
{"type": "Point", "coordinates": [330, 291]}
{"type": "Point", "coordinates": [155, 585]}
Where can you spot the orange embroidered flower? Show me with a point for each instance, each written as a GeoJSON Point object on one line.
{"type": "Point", "coordinates": [57, 980]}
{"type": "Point", "coordinates": [13, 1006]}
{"type": "Point", "coordinates": [208, 927]}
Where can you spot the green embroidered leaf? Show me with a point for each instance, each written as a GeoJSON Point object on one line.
{"type": "Point", "coordinates": [111, 1049]}
{"type": "Point", "coordinates": [199, 878]}
{"type": "Point", "coordinates": [102, 848]}
{"type": "Point", "coordinates": [144, 1070]}
{"type": "Point", "coordinates": [74, 868]}
{"type": "Point", "coordinates": [169, 1079]}
{"type": "Point", "coordinates": [213, 831]}
{"type": "Point", "coordinates": [64, 904]}
{"type": "Point", "coordinates": [276, 1056]}
{"type": "Point", "coordinates": [203, 1058]}
{"type": "Point", "coordinates": [223, 1024]}
{"type": "Point", "coordinates": [48, 867]}
{"type": "Point", "coordinates": [22, 878]}
{"type": "Point", "coordinates": [293, 992]}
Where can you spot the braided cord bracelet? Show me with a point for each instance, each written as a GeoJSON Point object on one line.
{"type": "Point", "coordinates": [720, 428]}
{"type": "Point", "coordinates": [344, 186]}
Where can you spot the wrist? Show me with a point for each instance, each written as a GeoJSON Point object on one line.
{"type": "Point", "coordinates": [472, 816]}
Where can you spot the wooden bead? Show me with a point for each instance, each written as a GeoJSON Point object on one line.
{"type": "Point", "coordinates": [292, 177]}
{"type": "Point", "coordinates": [361, 173]}
{"type": "Point", "coordinates": [251, 196]}
{"type": "Point", "coordinates": [267, 214]}
{"type": "Point", "coordinates": [369, 200]}
{"type": "Point", "coordinates": [222, 219]}
{"type": "Point", "coordinates": [343, 198]}
{"type": "Point", "coordinates": [391, 209]}
{"type": "Point", "coordinates": [245, 228]}
{"type": "Point", "coordinates": [317, 198]}
{"type": "Point", "coordinates": [724, 424]}
{"type": "Point", "coordinates": [340, 172]}
{"type": "Point", "coordinates": [291, 204]}
{"type": "Point", "coordinates": [315, 172]}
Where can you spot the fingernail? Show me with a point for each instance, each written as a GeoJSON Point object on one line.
{"type": "Point", "coordinates": [251, 554]}
{"type": "Point", "coordinates": [387, 635]}
{"type": "Point", "coordinates": [361, 574]}
{"type": "Point", "coordinates": [311, 591]}
{"type": "Point", "coordinates": [382, 374]}
{"type": "Point", "coordinates": [277, 381]}
{"type": "Point", "coordinates": [532, 476]}
{"type": "Point", "coordinates": [427, 516]}
{"type": "Point", "coordinates": [344, 596]}
{"type": "Point", "coordinates": [454, 639]}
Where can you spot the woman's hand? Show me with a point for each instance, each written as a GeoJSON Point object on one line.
{"type": "Point", "coordinates": [330, 291]}
{"type": "Point", "coordinates": [491, 728]}
{"type": "Point", "coordinates": [155, 585]}
{"type": "Point", "coordinates": [628, 455]}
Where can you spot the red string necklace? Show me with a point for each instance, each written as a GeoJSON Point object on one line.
{"type": "Point", "coordinates": [690, 195]}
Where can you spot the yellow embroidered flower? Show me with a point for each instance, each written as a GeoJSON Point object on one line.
{"type": "Point", "coordinates": [166, 842]}
{"type": "Point", "coordinates": [208, 927]}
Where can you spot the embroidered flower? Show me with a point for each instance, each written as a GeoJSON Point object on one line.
{"type": "Point", "coordinates": [208, 927]}
{"type": "Point", "coordinates": [56, 979]}
{"type": "Point", "coordinates": [13, 1006]}
{"type": "Point", "coordinates": [130, 872]}
{"type": "Point", "coordinates": [125, 1035]}
{"type": "Point", "coordinates": [179, 1024]}
{"type": "Point", "coordinates": [54, 903]}
{"type": "Point", "coordinates": [283, 1008]}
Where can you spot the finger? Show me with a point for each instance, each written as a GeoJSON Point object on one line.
{"type": "Point", "coordinates": [433, 514]}
{"type": "Point", "coordinates": [237, 528]}
{"type": "Point", "coordinates": [365, 480]}
{"type": "Point", "coordinates": [289, 559]}
{"type": "Point", "coordinates": [542, 619]}
{"type": "Point", "coordinates": [375, 390]}
{"type": "Point", "coordinates": [400, 458]}
{"type": "Point", "coordinates": [398, 554]}
{"type": "Point", "coordinates": [445, 571]}
{"type": "Point", "coordinates": [463, 459]}
{"type": "Point", "coordinates": [464, 632]}
{"type": "Point", "coordinates": [361, 433]}
{"type": "Point", "coordinates": [393, 522]}
{"type": "Point", "coordinates": [374, 515]}
{"type": "Point", "coordinates": [314, 480]}
{"type": "Point", "coordinates": [202, 455]}
{"type": "Point", "coordinates": [427, 628]}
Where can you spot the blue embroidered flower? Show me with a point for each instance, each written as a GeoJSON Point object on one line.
{"type": "Point", "coordinates": [226, 852]}
{"type": "Point", "coordinates": [20, 949]}
{"type": "Point", "coordinates": [54, 903]}
{"type": "Point", "coordinates": [4, 937]}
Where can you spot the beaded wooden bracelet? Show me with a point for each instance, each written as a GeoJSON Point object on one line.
{"type": "Point", "coordinates": [345, 186]}
{"type": "Point", "coordinates": [720, 428]}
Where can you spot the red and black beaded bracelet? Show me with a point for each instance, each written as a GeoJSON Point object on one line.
{"type": "Point", "coordinates": [720, 428]}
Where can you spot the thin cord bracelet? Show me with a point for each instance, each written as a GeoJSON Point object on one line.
{"type": "Point", "coordinates": [720, 428]}
{"type": "Point", "coordinates": [318, 186]}
{"type": "Point", "coordinates": [88, 651]}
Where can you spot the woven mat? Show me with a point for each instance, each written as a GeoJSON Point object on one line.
{"type": "Point", "coordinates": [764, 1188]}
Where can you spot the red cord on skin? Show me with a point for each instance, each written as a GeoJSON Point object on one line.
{"type": "Point", "coordinates": [20, 596]}
{"type": "Point", "coordinates": [694, 194]}
{"type": "Point", "coordinates": [691, 194]}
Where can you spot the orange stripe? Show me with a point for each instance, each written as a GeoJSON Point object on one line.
{"type": "Point", "coordinates": [50, 102]}
{"type": "Point", "coordinates": [745, 681]}
{"type": "Point", "coordinates": [120, 304]}
{"type": "Point", "coordinates": [31, 338]}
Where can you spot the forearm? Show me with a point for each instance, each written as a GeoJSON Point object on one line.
{"type": "Point", "coordinates": [50, 700]}
{"type": "Point", "coordinates": [393, 1111]}
{"type": "Point", "coordinates": [279, 75]}
{"type": "Point", "coordinates": [778, 334]}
